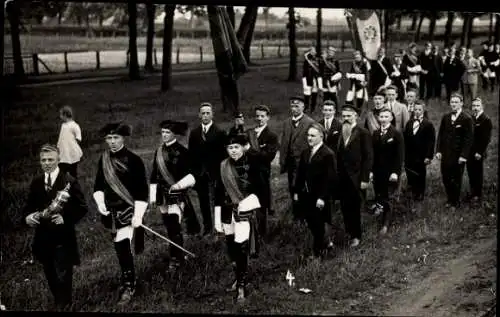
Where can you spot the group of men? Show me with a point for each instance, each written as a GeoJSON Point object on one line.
{"type": "Point", "coordinates": [426, 71]}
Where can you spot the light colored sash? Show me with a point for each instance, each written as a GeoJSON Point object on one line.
{"type": "Point", "coordinates": [228, 176]}
{"type": "Point", "coordinates": [163, 167]}
{"type": "Point", "coordinates": [310, 62]}
{"type": "Point", "coordinates": [112, 179]}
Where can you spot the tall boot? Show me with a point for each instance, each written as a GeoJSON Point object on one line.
{"type": "Point", "coordinates": [126, 261]}
{"type": "Point", "coordinates": [242, 271]}
{"type": "Point", "coordinates": [307, 100]}
{"type": "Point", "coordinates": [232, 252]}
{"type": "Point", "coordinates": [175, 234]}
{"type": "Point", "coordinates": [314, 98]}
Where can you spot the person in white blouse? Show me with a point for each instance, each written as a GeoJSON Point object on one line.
{"type": "Point", "coordinates": [70, 137]}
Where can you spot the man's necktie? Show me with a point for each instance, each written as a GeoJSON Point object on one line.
{"type": "Point", "coordinates": [48, 185]}
{"type": "Point", "coordinates": [204, 134]}
{"type": "Point", "coordinates": [346, 132]}
{"type": "Point", "coordinates": [453, 117]}
{"type": "Point", "coordinates": [295, 123]}
{"type": "Point", "coordinates": [328, 124]}
{"type": "Point", "coordinates": [416, 125]}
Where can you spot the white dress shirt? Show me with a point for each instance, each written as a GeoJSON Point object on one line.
{"type": "Point", "coordinates": [258, 130]}
{"type": "Point", "coordinates": [454, 116]}
{"type": "Point", "coordinates": [315, 149]}
{"type": "Point", "coordinates": [478, 114]}
{"type": "Point", "coordinates": [53, 176]}
{"type": "Point", "coordinates": [206, 127]}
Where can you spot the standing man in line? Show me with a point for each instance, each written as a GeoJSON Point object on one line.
{"type": "Point", "coordinates": [428, 72]}
{"type": "Point", "coordinates": [333, 127]}
{"type": "Point", "coordinates": [121, 195]}
{"type": "Point", "coordinates": [399, 76]}
{"type": "Point", "coordinates": [371, 122]}
{"type": "Point", "coordinates": [70, 137]}
{"type": "Point", "coordinates": [358, 75]}
{"type": "Point", "coordinates": [438, 67]}
{"type": "Point", "coordinates": [354, 164]}
{"type": "Point", "coordinates": [312, 81]}
{"type": "Point", "coordinates": [170, 179]}
{"type": "Point", "coordinates": [454, 143]}
{"type": "Point", "coordinates": [206, 151]}
{"type": "Point", "coordinates": [399, 110]}
{"type": "Point", "coordinates": [453, 69]}
{"type": "Point", "coordinates": [482, 138]}
{"type": "Point", "coordinates": [420, 139]}
{"type": "Point", "coordinates": [331, 76]}
{"type": "Point", "coordinates": [55, 244]}
{"type": "Point", "coordinates": [411, 100]}
{"type": "Point", "coordinates": [239, 125]}
{"type": "Point", "coordinates": [413, 66]}
{"type": "Point", "coordinates": [293, 143]}
{"type": "Point", "coordinates": [265, 142]}
{"type": "Point", "coordinates": [471, 75]}
{"type": "Point", "coordinates": [380, 72]}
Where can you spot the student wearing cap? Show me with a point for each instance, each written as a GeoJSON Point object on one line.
{"type": "Point", "coordinates": [265, 142]}
{"type": "Point", "coordinates": [478, 152]}
{"type": "Point", "coordinates": [454, 142]}
{"type": "Point", "coordinates": [412, 63]}
{"type": "Point", "coordinates": [333, 127]}
{"type": "Point", "coordinates": [453, 70]}
{"type": "Point", "coordinates": [420, 139]}
{"type": "Point", "coordinates": [121, 195]}
{"type": "Point", "coordinates": [428, 72]}
{"type": "Point", "coordinates": [312, 81]}
{"type": "Point", "coordinates": [359, 76]}
{"type": "Point", "coordinates": [170, 179]}
{"type": "Point", "coordinates": [206, 151]}
{"type": "Point", "coordinates": [331, 76]}
{"type": "Point", "coordinates": [354, 164]}
{"type": "Point", "coordinates": [370, 120]}
{"type": "Point", "coordinates": [315, 184]}
{"type": "Point", "coordinates": [399, 110]}
{"type": "Point", "coordinates": [399, 75]}
{"type": "Point", "coordinates": [70, 137]}
{"type": "Point", "coordinates": [55, 243]}
{"type": "Point", "coordinates": [240, 184]}
{"type": "Point", "coordinates": [293, 143]}
{"type": "Point", "coordinates": [239, 124]}
{"type": "Point", "coordinates": [380, 72]}
{"type": "Point", "coordinates": [490, 61]}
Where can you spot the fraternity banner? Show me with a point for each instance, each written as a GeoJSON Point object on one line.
{"type": "Point", "coordinates": [366, 27]}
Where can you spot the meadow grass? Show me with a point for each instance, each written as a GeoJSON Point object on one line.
{"type": "Point", "coordinates": [360, 281]}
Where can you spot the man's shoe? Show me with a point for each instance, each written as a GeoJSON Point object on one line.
{"type": "Point", "coordinates": [354, 243]}
{"type": "Point", "coordinates": [240, 295]}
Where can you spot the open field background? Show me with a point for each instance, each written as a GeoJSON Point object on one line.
{"type": "Point", "coordinates": [368, 280]}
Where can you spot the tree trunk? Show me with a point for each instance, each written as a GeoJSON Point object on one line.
{"type": "Point", "coordinates": [432, 27]}
{"type": "Point", "coordinates": [465, 28]}
{"type": "Point", "coordinates": [246, 22]}
{"type": "Point", "coordinates": [132, 44]}
{"type": "Point", "coordinates": [292, 74]}
{"type": "Point", "coordinates": [414, 20]}
{"type": "Point", "coordinates": [470, 31]}
{"type": "Point", "coordinates": [497, 28]}
{"type": "Point", "coordinates": [168, 34]}
{"type": "Point", "coordinates": [448, 28]}
{"type": "Point", "coordinates": [150, 12]}
{"type": "Point", "coordinates": [230, 12]}
{"type": "Point", "coordinates": [319, 22]}
{"type": "Point", "coordinates": [248, 39]}
{"type": "Point", "coordinates": [13, 14]}
{"type": "Point", "coordinates": [420, 21]}
{"type": "Point", "coordinates": [490, 33]}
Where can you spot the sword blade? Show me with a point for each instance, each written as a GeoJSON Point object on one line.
{"type": "Point", "coordinates": [168, 240]}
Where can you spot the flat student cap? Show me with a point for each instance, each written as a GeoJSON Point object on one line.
{"type": "Point", "coordinates": [350, 107]}
{"type": "Point", "coordinates": [119, 128]}
{"type": "Point", "coordinates": [296, 99]}
{"type": "Point", "coordinates": [239, 138]}
{"type": "Point", "coordinates": [177, 127]}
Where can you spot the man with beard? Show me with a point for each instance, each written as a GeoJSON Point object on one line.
{"type": "Point", "coordinates": [399, 110]}
{"type": "Point", "coordinates": [420, 139]}
{"type": "Point", "coordinates": [399, 76]}
{"type": "Point", "coordinates": [55, 244]}
{"type": "Point", "coordinates": [265, 142]}
{"type": "Point", "coordinates": [453, 69]}
{"type": "Point", "coordinates": [331, 76]}
{"type": "Point", "coordinates": [453, 147]}
{"type": "Point", "coordinates": [236, 203]}
{"type": "Point", "coordinates": [380, 72]}
{"type": "Point", "coordinates": [315, 183]}
{"type": "Point", "coordinates": [388, 158]}
{"type": "Point", "coordinates": [121, 195]}
{"type": "Point", "coordinates": [170, 179]}
{"type": "Point", "coordinates": [354, 163]}
{"type": "Point", "coordinates": [358, 74]}
{"type": "Point", "coordinates": [371, 116]}
{"type": "Point", "coordinates": [333, 127]}
{"type": "Point", "coordinates": [293, 143]}
{"type": "Point", "coordinates": [428, 72]}
{"type": "Point", "coordinates": [482, 138]}
{"type": "Point", "coordinates": [413, 66]}
{"type": "Point", "coordinates": [206, 151]}
{"type": "Point", "coordinates": [311, 79]}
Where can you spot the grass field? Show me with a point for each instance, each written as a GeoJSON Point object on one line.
{"type": "Point", "coordinates": [368, 280]}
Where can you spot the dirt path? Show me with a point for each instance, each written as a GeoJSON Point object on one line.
{"type": "Point", "coordinates": [464, 286]}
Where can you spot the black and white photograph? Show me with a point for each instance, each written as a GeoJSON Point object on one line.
{"type": "Point", "coordinates": [270, 160]}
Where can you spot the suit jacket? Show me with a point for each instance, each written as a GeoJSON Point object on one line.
{"type": "Point", "coordinates": [355, 160]}
{"type": "Point", "coordinates": [293, 141]}
{"type": "Point", "coordinates": [400, 80]}
{"type": "Point", "coordinates": [472, 69]}
{"type": "Point", "coordinates": [206, 155]}
{"type": "Point", "coordinates": [419, 146]}
{"type": "Point", "coordinates": [482, 135]}
{"type": "Point", "coordinates": [438, 64]}
{"type": "Point", "coordinates": [388, 153]}
{"type": "Point", "coordinates": [412, 113]}
{"type": "Point", "coordinates": [377, 74]}
{"type": "Point", "coordinates": [48, 235]}
{"type": "Point", "coordinates": [455, 139]}
{"type": "Point", "coordinates": [268, 145]}
{"type": "Point", "coordinates": [317, 175]}
{"type": "Point", "coordinates": [453, 70]}
{"type": "Point", "coordinates": [401, 115]}
{"type": "Point", "coordinates": [427, 62]}
{"type": "Point", "coordinates": [333, 134]}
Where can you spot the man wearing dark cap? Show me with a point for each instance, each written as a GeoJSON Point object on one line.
{"type": "Point", "coordinates": [265, 142]}
{"type": "Point", "coordinates": [55, 245]}
{"type": "Point", "coordinates": [354, 164]}
{"type": "Point", "coordinates": [358, 74]}
{"type": "Point", "coordinates": [170, 179]}
{"type": "Point", "coordinates": [236, 203]}
{"type": "Point", "coordinates": [333, 127]}
{"type": "Point", "coordinates": [206, 151]}
{"type": "Point", "coordinates": [312, 81]}
{"type": "Point", "coordinates": [399, 75]}
{"type": "Point", "coordinates": [370, 119]}
{"type": "Point", "coordinates": [293, 143]}
{"type": "Point", "coordinates": [331, 76]}
{"type": "Point", "coordinates": [121, 195]}
{"type": "Point", "coordinates": [239, 125]}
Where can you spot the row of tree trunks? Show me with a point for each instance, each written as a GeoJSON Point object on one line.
{"type": "Point", "coordinates": [292, 74]}
{"type": "Point", "coordinates": [168, 33]}
{"type": "Point", "coordinates": [150, 11]}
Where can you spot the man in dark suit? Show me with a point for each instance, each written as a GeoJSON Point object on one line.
{"type": "Point", "coordinates": [453, 69]}
{"type": "Point", "coordinates": [354, 163]}
{"type": "Point", "coordinates": [482, 138]}
{"type": "Point", "coordinates": [388, 157]}
{"type": "Point", "coordinates": [454, 143]}
{"type": "Point", "coordinates": [428, 72]}
{"type": "Point", "coordinates": [331, 76]}
{"type": "Point", "coordinates": [315, 183]}
{"type": "Point", "coordinates": [312, 81]}
{"type": "Point", "coordinates": [438, 66]}
{"type": "Point", "coordinates": [206, 150]}
{"type": "Point", "coordinates": [293, 143]}
{"type": "Point", "coordinates": [380, 72]}
{"type": "Point", "coordinates": [411, 100]}
{"type": "Point", "coordinates": [420, 139]}
{"type": "Point", "coordinates": [333, 127]}
{"type": "Point", "coordinates": [399, 76]}
{"type": "Point", "coordinates": [54, 244]}
{"type": "Point", "coordinates": [239, 125]}
{"type": "Point", "coordinates": [265, 143]}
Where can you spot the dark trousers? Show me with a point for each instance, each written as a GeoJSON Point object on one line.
{"type": "Point", "coordinates": [174, 233]}
{"type": "Point", "coordinates": [452, 181]}
{"type": "Point", "coordinates": [238, 255]}
{"type": "Point", "coordinates": [438, 86]}
{"type": "Point", "coordinates": [350, 203]}
{"type": "Point", "coordinates": [204, 187]}
{"type": "Point", "coordinates": [315, 221]}
{"type": "Point", "coordinates": [384, 191]}
{"type": "Point", "coordinates": [426, 86]}
{"type": "Point", "coordinates": [292, 174]}
{"type": "Point", "coordinates": [59, 273]}
{"type": "Point", "coordinates": [126, 260]}
{"type": "Point", "coordinates": [70, 168]}
{"type": "Point", "coordinates": [475, 172]}
{"type": "Point", "coordinates": [416, 176]}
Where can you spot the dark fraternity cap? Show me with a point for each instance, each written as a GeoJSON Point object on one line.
{"type": "Point", "coordinates": [296, 100]}
{"type": "Point", "coordinates": [119, 128]}
{"type": "Point", "coordinates": [239, 138]}
{"type": "Point", "coordinates": [486, 43]}
{"type": "Point", "coordinates": [329, 102]}
{"type": "Point", "coordinates": [350, 107]}
{"type": "Point", "coordinates": [238, 115]}
{"type": "Point", "coordinates": [177, 127]}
